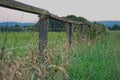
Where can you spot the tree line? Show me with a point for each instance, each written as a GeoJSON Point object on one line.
{"type": "Point", "coordinates": [53, 25]}
{"type": "Point", "coordinates": [114, 27]}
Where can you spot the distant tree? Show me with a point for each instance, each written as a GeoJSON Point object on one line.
{"type": "Point", "coordinates": [17, 26]}
{"type": "Point", "coordinates": [82, 19]}
{"type": "Point", "coordinates": [71, 17]}
{"type": "Point", "coordinates": [116, 27]}
{"type": "Point", "coordinates": [58, 26]}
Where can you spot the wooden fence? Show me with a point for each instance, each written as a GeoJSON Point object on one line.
{"type": "Point", "coordinates": [44, 16]}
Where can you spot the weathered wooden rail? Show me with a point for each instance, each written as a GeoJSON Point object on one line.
{"type": "Point", "coordinates": [44, 16]}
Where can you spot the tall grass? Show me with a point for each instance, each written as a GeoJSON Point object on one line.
{"type": "Point", "coordinates": [22, 63]}
{"type": "Point", "coordinates": [100, 61]}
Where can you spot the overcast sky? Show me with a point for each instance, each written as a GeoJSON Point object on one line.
{"type": "Point", "coordinates": [93, 10]}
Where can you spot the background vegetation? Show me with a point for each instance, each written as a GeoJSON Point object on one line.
{"type": "Point", "coordinates": [114, 27]}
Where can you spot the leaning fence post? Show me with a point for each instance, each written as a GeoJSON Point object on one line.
{"type": "Point", "coordinates": [70, 33]}
{"type": "Point", "coordinates": [43, 35]}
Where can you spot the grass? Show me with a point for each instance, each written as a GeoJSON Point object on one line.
{"type": "Point", "coordinates": [24, 60]}
{"type": "Point", "coordinates": [100, 61]}
{"type": "Point", "coordinates": [21, 42]}
{"type": "Point", "coordinates": [18, 42]}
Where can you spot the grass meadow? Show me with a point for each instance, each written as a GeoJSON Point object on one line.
{"type": "Point", "coordinates": [20, 61]}
{"type": "Point", "coordinates": [100, 61]}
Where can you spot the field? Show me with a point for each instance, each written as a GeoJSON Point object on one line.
{"type": "Point", "coordinates": [20, 42]}
{"type": "Point", "coordinates": [99, 61]}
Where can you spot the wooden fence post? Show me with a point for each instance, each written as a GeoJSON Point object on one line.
{"type": "Point", "coordinates": [70, 33]}
{"type": "Point", "coordinates": [89, 26]}
{"type": "Point", "coordinates": [81, 30]}
{"type": "Point", "coordinates": [43, 35]}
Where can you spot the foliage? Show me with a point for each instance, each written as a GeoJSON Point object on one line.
{"type": "Point", "coordinates": [73, 17]}
{"type": "Point", "coordinates": [60, 26]}
{"type": "Point", "coordinates": [100, 61]}
{"type": "Point", "coordinates": [56, 26]}
{"type": "Point", "coordinates": [96, 31]}
{"type": "Point", "coordinates": [114, 27]}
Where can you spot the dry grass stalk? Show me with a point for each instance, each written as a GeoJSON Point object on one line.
{"type": "Point", "coordinates": [29, 67]}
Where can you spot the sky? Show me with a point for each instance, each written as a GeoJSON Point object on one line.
{"type": "Point", "coordinates": [93, 10]}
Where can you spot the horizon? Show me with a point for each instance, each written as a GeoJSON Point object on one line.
{"type": "Point", "coordinates": [36, 21]}
{"type": "Point", "coordinates": [91, 10]}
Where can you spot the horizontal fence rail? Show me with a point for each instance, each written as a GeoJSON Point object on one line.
{"type": "Point", "coordinates": [27, 8]}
